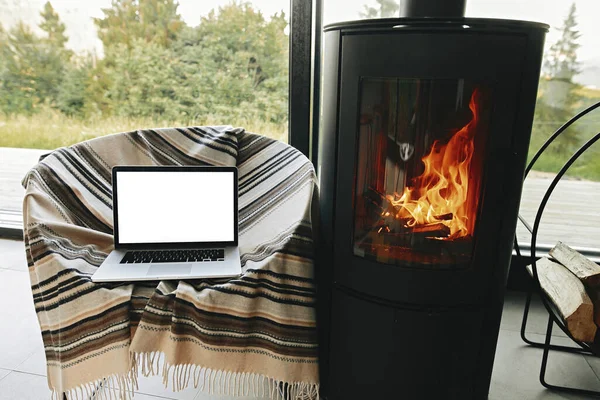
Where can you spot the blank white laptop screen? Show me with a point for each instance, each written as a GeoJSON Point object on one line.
{"type": "Point", "coordinates": [175, 206]}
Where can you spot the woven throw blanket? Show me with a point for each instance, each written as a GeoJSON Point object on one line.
{"type": "Point", "coordinates": [252, 335]}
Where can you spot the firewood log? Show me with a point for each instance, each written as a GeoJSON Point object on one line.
{"type": "Point", "coordinates": [568, 294]}
{"type": "Point", "coordinates": [429, 230]}
{"type": "Point", "coordinates": [586, 270]}
{"type": "Point", "coordinates": [595, 296]}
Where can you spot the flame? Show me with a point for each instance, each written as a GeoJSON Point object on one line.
{"type": "Point", "coordinates": [441, 193]}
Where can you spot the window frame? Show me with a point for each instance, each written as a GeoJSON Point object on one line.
{"type": "Point", "coordinates": [304, 84]}
{"type": "Point", "coordinates": [306, 26]}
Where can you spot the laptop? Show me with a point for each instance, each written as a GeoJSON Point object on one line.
{"type": "Point", "coordinates": [173, 223]}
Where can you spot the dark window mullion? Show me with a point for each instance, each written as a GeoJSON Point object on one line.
{"type": "Point", "coordinates": [300, 75]}
{"type": "Point", "coordinates": [316, 79]}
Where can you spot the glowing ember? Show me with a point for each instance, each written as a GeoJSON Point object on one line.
{"type": "Point", "coordinates": [441, 193]}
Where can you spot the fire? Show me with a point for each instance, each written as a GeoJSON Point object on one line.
{"type": "Point", "coordinates": [441, 193]}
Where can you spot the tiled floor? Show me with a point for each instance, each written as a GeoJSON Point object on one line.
{"type": "Point", "coordinates": [515, 377]}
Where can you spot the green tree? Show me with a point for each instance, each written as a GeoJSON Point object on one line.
{"type": "Point", "coordinates": [22, 58]}
{"type": "Point", "coordinates": [32, 66]}
{"type": "Point", "coordinates": [232, 67]}
{"type": "Point", "coordinates": [126, 27]}
{"type": "Point", "coordinates": [4, 54]}
{"type": "Point", "coordinates": [57, 56]}
{"type": "Point", "coordinates": [53, 27]}
{"type": "Point", "coordinates": [125, 21]}
{"type": "Point", "coordinates": [72, 97]}
{"type": "Point", "coordinates": [144, 81]}
{"type": "Point", "coordinates": [384, 9]}
{"type": "Point", "coordinates": [559, 95]}
{"type": "Point", "coordinates": [561, 61]}
{"type": "Point", "coordinates": [238, 63]}
{"type": "Point", "coordinates": [97, 86]}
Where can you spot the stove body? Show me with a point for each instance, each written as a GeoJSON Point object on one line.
{"type": "Point", "coordinates": [425, 127]}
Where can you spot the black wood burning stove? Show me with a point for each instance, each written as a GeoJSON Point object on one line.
{"type": "Point", "coordinates": [425, 130]}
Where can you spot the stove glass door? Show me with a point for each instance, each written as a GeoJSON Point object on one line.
{"type": "Point", "coordinates": [420, 154]}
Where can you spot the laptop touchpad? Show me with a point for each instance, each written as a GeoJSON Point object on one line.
{"type": "Point", "coordinates": [169, 269]}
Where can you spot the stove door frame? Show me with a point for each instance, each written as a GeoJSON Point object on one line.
{"type": "Point", "coordinates": [495, 60]}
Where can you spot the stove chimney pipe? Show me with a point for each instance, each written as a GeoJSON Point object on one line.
{"type": "Point", "coordinates": [432, 8]}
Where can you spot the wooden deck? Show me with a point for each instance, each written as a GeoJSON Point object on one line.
{"type": "Point", "coordinates": [14, 164]}
{"type": "Point", "coordinates": [572, 215]}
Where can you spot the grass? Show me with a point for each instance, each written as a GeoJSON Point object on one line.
{"type": "Point", "coordinates": [586, 167]}
{"type": "Point", "coordinates": [591, 94]}
{"type": "Point", "coordinates": [50, 129]}
{"type": "Point", "coordinates": [554, 157]}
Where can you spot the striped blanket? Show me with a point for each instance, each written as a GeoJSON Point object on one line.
{"type": "Point", "coordinates": [252, 335]}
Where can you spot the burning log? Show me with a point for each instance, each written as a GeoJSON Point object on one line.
{"type": "Point", "coordinates": [569, 296]}
{"type": "Point", "coordinates": [444, 217]}
{"type": "Point", "coordinates": [437, 229]}
{"type": "Point", "coordinates": [417, 237]}
{"type": "Point", "coordinates": [386, 212]}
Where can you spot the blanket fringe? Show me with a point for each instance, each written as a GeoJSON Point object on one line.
{"type": "Point", "coordinates": [210, 381]}
{"type": "Point", "coordinates": [111, 387]}
{"type": "Point", "coordinates": [221, 382]}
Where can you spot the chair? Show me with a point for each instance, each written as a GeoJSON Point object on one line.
{"type": "Point", "coordinates": [244, 335]}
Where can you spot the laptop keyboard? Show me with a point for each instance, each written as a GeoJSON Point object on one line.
{"type": "Point", "coordinates": [169, 256]}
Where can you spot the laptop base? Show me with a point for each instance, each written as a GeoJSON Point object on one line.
{"type": "Point", "coordinates": [112, 270]}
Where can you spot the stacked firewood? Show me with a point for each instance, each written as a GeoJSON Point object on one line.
{"type": "Point", "coordinates": [572, 282]}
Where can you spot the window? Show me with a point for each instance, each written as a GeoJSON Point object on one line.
{"type": "Point", "coordinates": [569, 83]}
{"type": "Point", "coordinates": [72, 71]}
